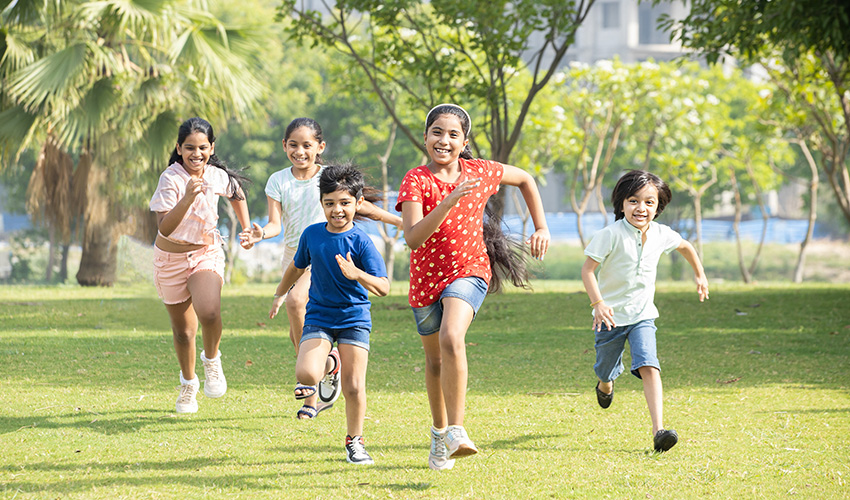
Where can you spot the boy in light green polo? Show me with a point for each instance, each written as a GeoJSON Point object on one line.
{"type": "Point", "coordinates": [627, 253]}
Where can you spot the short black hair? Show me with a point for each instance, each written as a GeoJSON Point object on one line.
{"type": "Point", "coordinates": [341, 177]}
{"type": "Point", "coordinates": [632, 182]}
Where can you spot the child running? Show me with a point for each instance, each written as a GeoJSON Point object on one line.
{"type": "Point", "coordinates": [188, 258]}
{"type": "Point", "coordinates": [627, 253]}
{"type": "Point", "coordinates": [454, 250]}
{"type": "Point", "coordinates": [293, 201]}
{"type": "Point", "coordinates": [346, 267]}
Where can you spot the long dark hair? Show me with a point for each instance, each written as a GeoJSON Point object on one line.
{"type": "Point", "coordinates": [633, 181]}
{"type": "Point", "coordinates": [508, 258]}
{"type": "Point", "coordinates": [235, 178]}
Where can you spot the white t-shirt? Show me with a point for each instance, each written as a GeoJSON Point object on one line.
{"type": "Point", "coordinates": [299, 203]}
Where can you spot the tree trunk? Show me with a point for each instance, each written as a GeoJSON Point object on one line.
{"type": "Point", "coordinates": [764, 216]}
{"type": "Point", "coordinates": [51, 254]}
{"type": "Point", "coordinates": [99, 260]}
{"type": "Point", "coordinates": [736, 225]}
{"type": "Point", "coordinates": [813, 212]}
{"type": "Point", "coordinates": [63, 265]}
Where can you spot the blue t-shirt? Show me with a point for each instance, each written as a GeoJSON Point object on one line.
{"type": "Point", "coordinates": [336, 301]}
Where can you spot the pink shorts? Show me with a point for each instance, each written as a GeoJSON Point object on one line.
{"type": "Point", "coordinates": [171, 271]}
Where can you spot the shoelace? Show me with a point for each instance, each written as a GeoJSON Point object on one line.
{"type": "Point", "coordinates": [186, 392]}
{"type": "Point", "coordinates": [358, 449]}
{"type": "Point", "coordinates": [438, 446]}
{"type": "Point", "coordinates": [454, 433]}
{"type": "Point", "coordinates": [212, 370]}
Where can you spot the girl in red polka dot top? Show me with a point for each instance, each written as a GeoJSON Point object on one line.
{"type": "Point", "coordinates": [455, 249]}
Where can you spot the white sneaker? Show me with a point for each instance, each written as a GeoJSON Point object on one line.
{"type": "Point", "coordinates": [355, 451]}
{"type": "Point", "coordinates": [187, 401]}
{"type": "Point", "coordinates": [458, 443]}
{"type": "Point", "coordinates": [438, 459]}
{"type": "Point", "coordinates": [215, 385]}
{"type": "Point", "coordinates": [329, 388]}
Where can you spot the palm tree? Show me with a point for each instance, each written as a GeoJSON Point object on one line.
{"type": "Point", "coordinates": [106, 82]}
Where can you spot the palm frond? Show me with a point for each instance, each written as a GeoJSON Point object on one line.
{"type": "Point", "coordinates": [52, 75]}
{"type": "Point", "coordinates": [15, 123]}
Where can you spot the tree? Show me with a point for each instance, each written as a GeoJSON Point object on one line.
{"type": "Point", "coordinates": [105, 82]}
{"type": "Point", "coordinates": [807, 42]}
{"type": "Point", "coordinates": [465, 52]}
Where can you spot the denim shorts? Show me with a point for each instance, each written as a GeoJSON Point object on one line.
{"type": "Point", "coordinates": [471, 289]}
{"type": "Point", "coordinates": [610, 345]}
{"type": "Point", "coordinates": [353, 335]}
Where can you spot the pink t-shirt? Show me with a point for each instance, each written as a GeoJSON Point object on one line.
{"type": "Point", "coordinates": [199, 226]}
{"type": "Point", "coordinates": [456, 249]}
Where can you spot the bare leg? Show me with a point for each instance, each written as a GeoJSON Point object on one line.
{"type": "Point", "coordinates": [653, 392]}
{"type": "Point", "coordinates": [457, 316]}
{"type": "Point", "coordinates": [184, 325]}
{"type": "Point", "coordinates": [606, 387]}
{"type": "Point", "coordinates": [353, 379]}
{"type": "Point", "coordinates": [296, 309]}
{"type": "Point", "coordinates": [433, 362]}
{"type": "Point", "coordinates": [311, 364]}
{"type": "Point", "coordinates": [205, 287]}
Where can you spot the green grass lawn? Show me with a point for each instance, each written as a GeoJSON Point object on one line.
{"type": "Point", "coordinates": [756, 383]}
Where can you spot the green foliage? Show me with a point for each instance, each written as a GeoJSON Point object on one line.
{"type": "Point", "coordinates": [426, 53]}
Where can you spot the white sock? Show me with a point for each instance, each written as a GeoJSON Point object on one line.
{"type": "Point", "coordinates": [183, 381]}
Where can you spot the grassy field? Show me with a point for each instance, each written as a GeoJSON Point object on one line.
{"type": "Point", "coordinates": [757, 383]}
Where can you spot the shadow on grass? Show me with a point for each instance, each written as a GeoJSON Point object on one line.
{"type": "Point", "coordinates": [118, 422]}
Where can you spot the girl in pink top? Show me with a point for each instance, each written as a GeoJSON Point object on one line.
{"type": "Point", "coordinates": [454, 248]}
{"type": "Point", "coordinates": [188, 258]}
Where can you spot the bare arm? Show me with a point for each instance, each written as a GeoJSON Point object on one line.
{"type": "Point", "coordinates": [167, 222]}
{"type": "Point", "coordinates": [241, 209]}
{"type": "Point", "coordinates": [372, 211]}
{"type": "Point", "coordinates": [539, 241]}
{"type": "Point", "coordinates": [256, 233]}
{"type": "Point", "coordinates": [690, 254]}
{"type": "Point", "coordinates": [417, 228]}
{"type": "Point", "coordinates": [602, 313]}
{"type": "Point", "coordinates": [290, 276]}
{"type": "Point", "coordinates": [375, 285]}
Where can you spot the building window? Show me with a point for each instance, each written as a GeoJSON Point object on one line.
{"type": "Point", "coordinates": [610, 15]}
{"type": "Point", "coordinates": [649, 32]}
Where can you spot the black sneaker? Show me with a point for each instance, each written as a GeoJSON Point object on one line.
{"type": "Point", "coordinates": [665, 439]}
{"type": "Point", "coordinates": [602, 398]}
{"type": "Point", "coordinates": [356, 451]}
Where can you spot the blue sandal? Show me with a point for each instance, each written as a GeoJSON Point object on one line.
{"type": "Point", "coordinates": [307, 411]}
{"type": "Point", "coordinates": [306, 391]}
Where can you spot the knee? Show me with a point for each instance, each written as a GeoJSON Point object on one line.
{"type": "Point", "coordinates": [295, 304]}
{"type": "Point", "coordinates": [433, 364]}
{"type": "Point", "coordinates": [184, 336]}
{"type": "Point", "coordinates": [452, 345]}
{"type": "Point", "coordinates": [353, 389]}
{"type": "Point", "coordinates": [305, 376]}
{"type": "Point", "coordinates": [208, 316]}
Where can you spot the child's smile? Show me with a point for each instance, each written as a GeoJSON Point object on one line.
{"type": "Point", "coordinates": [302, 148]}
{"type": "Point", "coordinates": [445, 139]}
{"type": "Point", "coordinates": [340, 208]}
{"type": "Point", "coordinates": [640, 208]}
{"type": "Point", "coordinates": [195, 152]}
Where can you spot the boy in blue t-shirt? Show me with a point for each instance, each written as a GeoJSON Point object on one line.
{"type": "Point", "coordinates": [346, 266]}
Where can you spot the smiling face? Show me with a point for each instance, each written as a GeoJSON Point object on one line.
{"type": "Point", "coordinates": [302, 149]}
{"type": "Point", "coordinates": [340, 207]}
{"type": "Point", "coordinates": [445, 140]}
{"type": "Point", "coordinates": [195, 152]}
{"type": "Point", "coordinates": [640, 208]}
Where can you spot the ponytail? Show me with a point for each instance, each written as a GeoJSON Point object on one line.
{"type": "Point", "coordinates": [507, 256]}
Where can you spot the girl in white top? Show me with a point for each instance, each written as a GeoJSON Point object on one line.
{"type": "Point", "coordinates": [293, 200]}
{"type": "Point", "coordinates": [188, 258]}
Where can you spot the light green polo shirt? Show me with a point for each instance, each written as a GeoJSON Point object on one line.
{"type": "Point", "coordinates": [627, 268]}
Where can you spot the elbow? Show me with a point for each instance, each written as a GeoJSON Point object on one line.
{"type": "Point", "coordinates": [383, 288]}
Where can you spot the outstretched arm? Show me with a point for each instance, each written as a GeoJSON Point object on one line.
{"type": "Point", "coordinates": [290, 276]}
{"type": "Point", "coordinates": [255, 233]}
{"type": "Point", "coordinates": [690, 254]}
{"type": "Point", "coordinates": [602, 313]}
{"type": "Point", "coordinates": [539, 241]}
{"type": "Point", "coordinates": [372, 211]}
